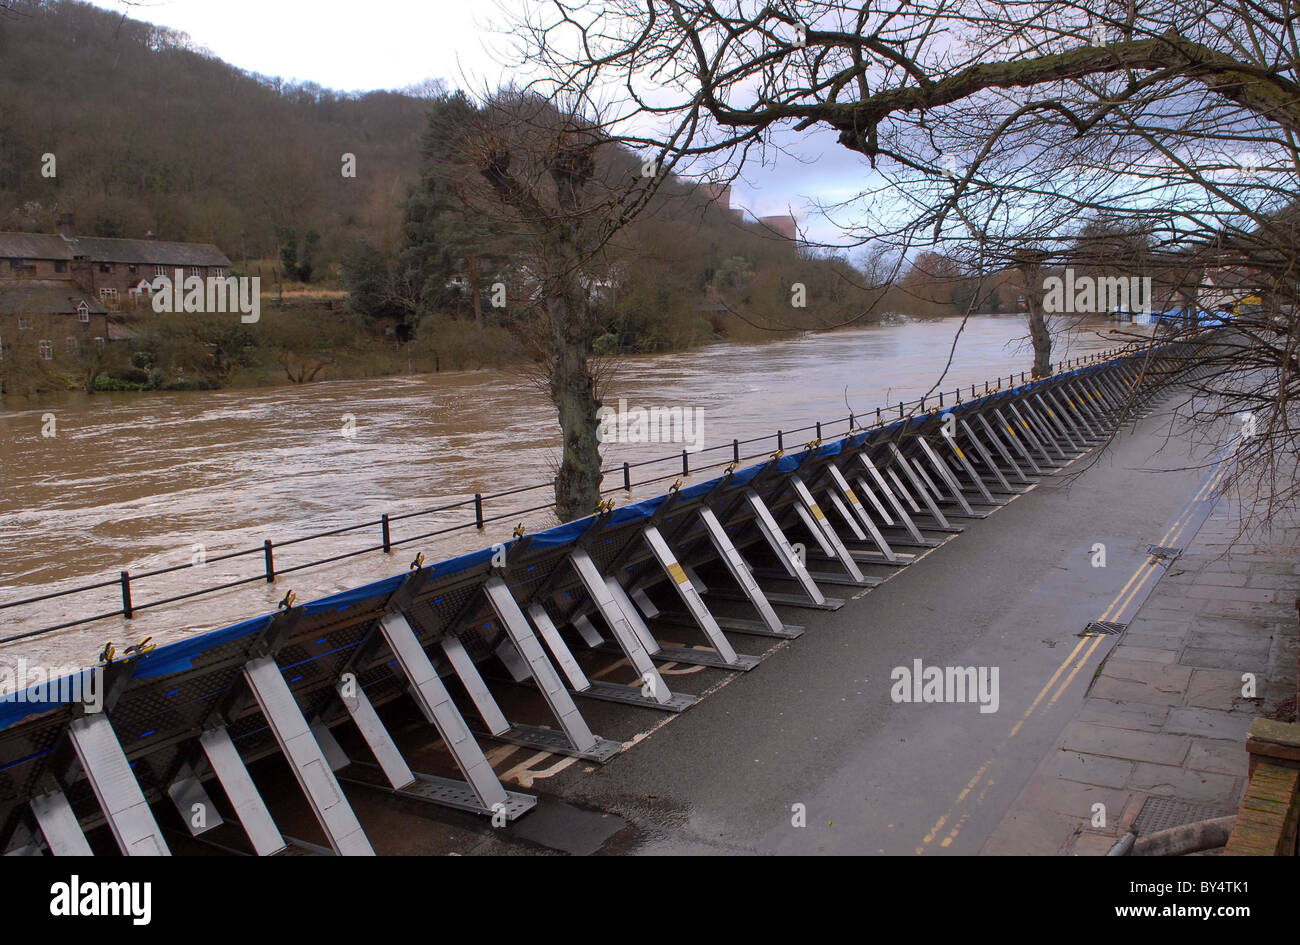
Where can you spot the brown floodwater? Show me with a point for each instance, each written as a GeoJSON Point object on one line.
{"type": "Point", "coordinates": [137, 481]}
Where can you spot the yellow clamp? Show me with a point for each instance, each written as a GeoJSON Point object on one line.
{"type": "Point", "coordinates": [107, 653]}
{"type": "Point", "coordinates": [675, 486]}
{"type": "Point", "coordinates": [519, 530]}
{"type": "Point", "coordinates": [813, 444]}
{"type": "Point", "coordinates": [287, 600]}
{"type": "Point", "coordinates": [731, 468]}
{"type": "Point", "coordinates": [139, 649]}
{"type": "Point", "coordinates": [418, 563]}
{"type": "Point", "coordinates": [777, 455]}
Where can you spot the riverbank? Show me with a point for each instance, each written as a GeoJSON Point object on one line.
{"type": "Point", "coordinates": [305, 340]}
{"type": "Point", "coordinates": [309, 340]}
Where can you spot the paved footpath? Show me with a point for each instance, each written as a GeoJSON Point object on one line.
{"type": "Point", "coordinates": [1167, 713]}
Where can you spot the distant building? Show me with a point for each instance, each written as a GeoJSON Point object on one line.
{"type": "Point", "coordinates": [782, 225]}
{"type": "Point", "coordinates": [49, 319]}
{"type": "Point", "coordinates": [57, 288]}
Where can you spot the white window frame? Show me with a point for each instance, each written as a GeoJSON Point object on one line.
{"type": "Point", "coordinates": [24, 324]}
{"type": "Point", "coordinates": [83, 312]}
{"type": "Point", "coordinates": [159, 271]}
{"type": "Point", "coordinates": [46, 349]}
{"type": "Point", "coordinates": [70, 344]}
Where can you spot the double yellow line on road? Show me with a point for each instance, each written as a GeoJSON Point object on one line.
{"type": "Point", "coordinates": [1117, 606]}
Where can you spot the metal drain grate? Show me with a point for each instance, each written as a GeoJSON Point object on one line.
{"type": "Point", "coordinates": [1161, 813]}
{"type": "Point", "coordinates": [1103, 628]}
{"type": "Point", "coordinates": [1164, 551]}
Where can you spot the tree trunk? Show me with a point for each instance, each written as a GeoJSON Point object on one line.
{"type": "Point", "coordinates": [568, 309]}
{"type": "Point", "coordinates": [573, 391]}
{"type": "Point", "coordinates": [475, 293]}
{"type": "Point", "coordinates": [1041, 338]}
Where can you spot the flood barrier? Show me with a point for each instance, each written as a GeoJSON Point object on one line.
{"type": "Point", "coordinates": [792, 532]}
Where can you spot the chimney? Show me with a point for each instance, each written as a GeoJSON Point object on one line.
{"type": "Point", "coordinates": [66, 225]}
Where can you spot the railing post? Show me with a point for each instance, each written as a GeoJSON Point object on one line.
{"type": "Point", "coordinates": [125, 577]}
{"type": "Point", "coordinates": [735, 451]}
{"type": "Point", "coordinates": [388, 542]}
{"type": "Point", "coordinates": [819, 429]}
{"type": "Point", "coordinates": [269, 555]}
{"type": "Point", "coordinates": [780, 440]}
{"type": "Point", "coordinates": [627, 478]}
{"type": "Point", "coordinates": [478, 510]}
{"type": "Point", "coordinates": [686, 464]}
{"type": "Point", "coordinates": [852, 421]}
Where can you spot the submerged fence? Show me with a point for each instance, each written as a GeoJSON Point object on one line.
{"type": "Point", "coordinates": [782, 533]}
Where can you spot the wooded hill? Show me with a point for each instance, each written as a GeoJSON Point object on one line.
{"type": "Point", "coordinates": [149, 132]}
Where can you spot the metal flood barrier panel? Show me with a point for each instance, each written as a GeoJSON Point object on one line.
{"type": "Point", "coordinates": [181, 723]}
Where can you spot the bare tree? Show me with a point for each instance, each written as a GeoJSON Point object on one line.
{"type": "Point", "coordinates": [553, 177]}
{"type": "Point", "coordinates": [1000, 130]}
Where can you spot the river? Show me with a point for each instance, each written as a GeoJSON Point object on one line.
{"type": "Point", "coordinates": [141, 481]}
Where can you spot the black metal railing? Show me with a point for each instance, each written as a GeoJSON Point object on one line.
{"type": "Point", "coordinates": [477, 505]}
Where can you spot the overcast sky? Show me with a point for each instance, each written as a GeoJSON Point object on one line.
{"type": "Point", "coordinates": [391, 44]}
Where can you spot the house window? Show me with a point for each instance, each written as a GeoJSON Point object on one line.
{"type": "Point", "coordinates": [47, 350]}
{"type": "Point", "coordinates": [71, 344]}
{"type": "Point", "coordinates": [108, 295]}
{"type": "Point", "coordinates": [24, 324]}
{"type": "Point", "coordinates": [159, 271]}
{"type": "Point", "coordinates": [131, 268]}
{"type": "Point", "coordinates": [220, 272]}
{"type": "Point", "coordinates": [83, 312]}
{"type": "Point", "coordinates": [194, 271]}
{"type": "Point", "coordinates": [99, 342]}
{"type": "Point", "coordinates": [60, 265]}
{"type": "Point", "coordinates": [105, 267]}
{"type": "Point", "coordinates": [15, 264]}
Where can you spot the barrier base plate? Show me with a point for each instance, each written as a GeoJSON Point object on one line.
{"type": "Point", "coordinates": [553, 740]}
{"type": "Point", "coordinates": [631, 695]}
{"type": "Point", "coordinates": [435, 790]}
{"type": "Point", "coordinates": [696, 657]}
{"type": "Point", "coordinates": [754, 628]}
{"type": "Point", "coordinates": [789, 600]}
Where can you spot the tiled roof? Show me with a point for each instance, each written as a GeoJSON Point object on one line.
{"type": "Point", "coordinates": [44, 297]}
{"type": "Point", "coordinates": [104, 249]}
